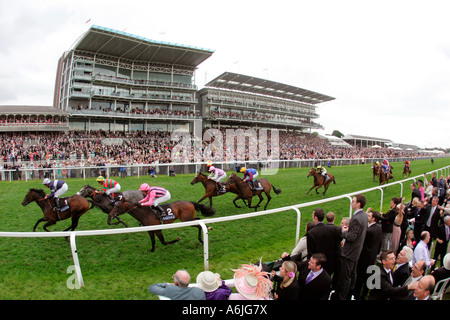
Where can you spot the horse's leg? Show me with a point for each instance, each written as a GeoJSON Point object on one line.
{"type": "Point", "coordinates": [234, 202]}
{"type": "Point", "coordinates": [39, 221]}
{"type": "Point", "coordinates": [260, 200]}
{"type": "Point", "coordinates": [74, 224]}
{"type": "Point", "coordinates": [326, 188]}
{"type": "Point", "coordinates": [310, 190]}
{"type": "Point", "coordinates": [210, 201]}
{"type": "Point", "coordinates": [160, 236]}
{"type": "Point", "coordinates": [199, 233]}
{"type": "Point", "coordinates": [49, 223]}
{"type": "Point", "coordinates": [152, 238]}
{"type": "Point", "coordinates": [268, 200]}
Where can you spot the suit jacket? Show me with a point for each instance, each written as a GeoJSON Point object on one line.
{"type": "Point", "coordinates": [441, 247]}
{"type": "Point", "coordinates": [354, 237]}
{"type": "Point", "coordinates": [401, 274]}
{"type": "Point", "coordinates": [386, 290]}
{"type": "Point", "coordinates": [324, 239]}
{"type": "Point", "coordinates": [419, 222]}
{"type": "Point", "coordinates": [434, 221]}
{"type": "Point", "coordinates": [387, 221]}
{"type": "Point", "coordinates": [372, 245]}
{"type": "Point", "coordinates": [318, 289]}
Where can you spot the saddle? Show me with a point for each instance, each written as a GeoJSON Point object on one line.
{"type": "Point", "coordinates": [62, 205]}
{"type": "Point", "coordinates": [169, 213]}
{"type": "Point", "coordinates": [255, 185]}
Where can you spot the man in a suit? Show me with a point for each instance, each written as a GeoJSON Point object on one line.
{"type": "Point", "coordinates": [368, 256]}
{"type": "Point", "coordinates": [402, 270]}
{"type": "Point", "coordinates": [424, 288]}
{"type": "Point", "coordinates": [442, 238]}
{"type": "Point", "coordinates": [433, 217]}
{"type": "Point", "coordinates": [314, 281]}
{"type": "Point", "coordinates": [354, 241]}
{"type": "Point", "coordinates": [323, 239]}
{"type": "Point", "coordinates": [385, 289]}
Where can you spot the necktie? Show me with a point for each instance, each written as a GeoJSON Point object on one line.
{"type": "Point", "coordinates": [309, 277]}
{"type": "Point", "coordinates": [390, 277]}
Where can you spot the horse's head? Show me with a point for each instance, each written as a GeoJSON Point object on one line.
{"type": "Point", "coordinates": [33, 195]}
{"type": "Point", "coordinates": [232, 179]}
{"type": "Point", "coordinates": [198, 178]}
{"type": "Point", "coordinates": [311, 173]}
{"type": "Point", "coordinates": [86, 191]}
{"type": "Point", "coordinates": [120, 208]}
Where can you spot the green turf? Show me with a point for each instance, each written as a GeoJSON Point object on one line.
{"type": "Point", "coordinates": [122, 267]}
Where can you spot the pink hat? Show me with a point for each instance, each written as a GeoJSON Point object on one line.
{"type": "Point", "coordinates": [144, 187]}
{"type": "Point", "coordinates": [251, 282]}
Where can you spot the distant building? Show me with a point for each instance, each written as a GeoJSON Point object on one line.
{"type": "Point", "coordinates": [236, 100]}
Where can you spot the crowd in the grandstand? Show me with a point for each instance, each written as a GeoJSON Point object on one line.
{"type": "Point", "coordinates": [84, 148]}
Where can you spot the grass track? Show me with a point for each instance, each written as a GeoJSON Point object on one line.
{"type": "Point", "coordinates": [121, 266]}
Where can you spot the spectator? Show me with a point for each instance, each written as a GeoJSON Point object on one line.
{"type": "Point", "coordinates": [424, 288]}
{"type": "Point", "coordinates": [287, 288]}
{"type": "Point", "coordinates": [442, 239]}
{"type": "Point", "coordinates": [179, 290]}
{"type": "Point", "coordinates": [414, 191]}
{"type": "Point", "coordinates": [386, 288]}
{"type": "Point", "coordinates": [444, 271]}
{"type": "Point", "coordinates": [420, 220]}
{"type": "Point", "coordinates": [402, 270]}
{"type": "Point", "coordinates": [409, 240]}
{"type": "Point", "coordinates": [417, 272]}
{"type": "Point", "coordinates": [369, 252]}
{"type": "Point", "coordinates": [214, 287]}
{"type": "Point", "coordinates": [396, 229]}
{"type": "Point", "coordinates": [251, 283]}
{"type": "Point", "coordinates": [387, 224]}
{"type": "Point", "coordinates": [433, 218]}
{"type": "Point", "coordinates": [314, 282]}
{"type": "Point", "coordinates": [300, 251]}
{"type": "Point", "coordinates": [354, 241]}
{"type": "Point", "coordinates": [422, 252]}
{"type": "Point", "coordinates": [322, 239]}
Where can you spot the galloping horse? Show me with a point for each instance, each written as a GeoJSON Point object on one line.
{"type": "Point", "coordinates": [210, 188]}
{"type": "Point", "coordinates": [77, 206]}
{"type": "Point", "coordinates": [102, 201]}
{"type": "Point", "coordinates": [375, 168]}
{"type": "Point", "coordinates": [384, 177]}
{"type": "Point", "coordinates": [182, 210]}
{"type": "Point", "coordinates": [406, 170]}
{"type": "Point", "coordinates": [245, 192]}
{"type": "Point", "coordinates": [319, 181]}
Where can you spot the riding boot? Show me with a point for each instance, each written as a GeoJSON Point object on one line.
{"type": "Point", "coordinates": [110, 198]}
{"type": "Point", "coordinates": [56, 203]}
{"type": "Point", "coordinates": [160, 212]}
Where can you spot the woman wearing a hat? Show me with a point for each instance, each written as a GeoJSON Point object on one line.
{"type": "Point", "coordinates": [214, 287]}
{"type": "Point", "coordinates": [251, 283]}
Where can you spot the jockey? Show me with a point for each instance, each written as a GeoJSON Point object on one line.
{"type": "Point", "coordinates": [249, 175]}
{"type": "Point", "coordinates": [385, 166]}
{"type": "Point", "coordinates": [407, 163]}
{"type": "Point", "coordinates": [153, 196]}
{"type": "Point", "coordinates": [57, 189]}
{"type": "Point", "coordinates": [109, 186]}
{"type": "Point", "coordinates": [323, 172]}
{"type": "Point", "coordinates": [217, 175]}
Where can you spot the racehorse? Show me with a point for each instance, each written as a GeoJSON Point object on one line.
{"type": "Point", "coordinates": [406, 170]}
{"type": "Point", "coordinates": [384, 177]}
{"type": "Point", "coordinates": [211, 188]}
{"type": "Point", "coordinates": [245, 192]}
{"type": "Point", "coordinates": [101, 200]}
{"type": "Point", "coordinates": [374, 171]}
{"type": "Point", "coordinates": [320, 181]}
{"type": "Point", "coordinates": [181, 210]}
{"type": "Point", "coordinates": [77, 206]}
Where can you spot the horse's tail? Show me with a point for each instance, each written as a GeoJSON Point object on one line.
{"type": "Point", "coordinates": [277, 191]}
{"type": "Point", "coordinates": [205, 211]}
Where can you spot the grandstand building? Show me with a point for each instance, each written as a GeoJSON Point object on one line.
{"type": "Point", "coordinates": [115, 81]}
{"type": "Point", "coordinates": [33, 118]}
{"type": "Point", "coordinates": [236, 100]}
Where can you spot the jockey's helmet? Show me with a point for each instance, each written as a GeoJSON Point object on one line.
{"type": "Point", "coordinates": [144, 187]}
{"type": "Point", "coordinates": [100, 179]}
{"type": "Point", "coordinates": [212, 168]}
{"type": "Point", "coordinates": [46, 181]}
{"type": "Point", "coordinates": [243, 169]}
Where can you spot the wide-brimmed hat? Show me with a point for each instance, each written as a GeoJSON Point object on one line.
{"type": "Point", "coordinates": [251, 282]}
{"type": "Point", "coordinates": [208, 281]}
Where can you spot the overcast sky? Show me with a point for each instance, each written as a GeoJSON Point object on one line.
{"type": "Point", "coordinates": [387, 63]}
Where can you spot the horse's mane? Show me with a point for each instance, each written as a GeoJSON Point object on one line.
{"type": "Point", "coordinates": [40, 191]}
{"type": "Point", "coordinates": [89, 186]}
